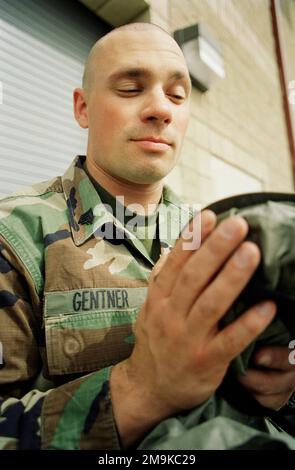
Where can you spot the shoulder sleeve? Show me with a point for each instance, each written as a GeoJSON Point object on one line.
{"type": "Point", "coordinates": [77, 415]}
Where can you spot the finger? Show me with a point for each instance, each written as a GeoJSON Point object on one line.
{"type": "Point", "coordinates": [204, 223]}
{"type": "Point", "coordinates": [274, 357]}
{"type": "Point", "coordinates": [158, 266]}
{"type": "Point", "coordinates": [222, 292]}
{"type": "Point", "coordinates": [203, 264]}
{"type": "Point", "coordinates": [233, 339]}
{"type": "Point", "coordinates": [274, 402]}
{"type": "Point", "coordinates": [268, 382]}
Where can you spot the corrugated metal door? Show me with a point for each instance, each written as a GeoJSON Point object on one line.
{"type": "Point", "coordinates": [43, 46]}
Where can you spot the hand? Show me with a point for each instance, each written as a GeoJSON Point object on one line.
{"type": "Point", "coordinates": [180, 355]}
{"type": "Point", "coordinates": [273, 386]}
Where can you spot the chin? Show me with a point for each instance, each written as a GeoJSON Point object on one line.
{"type": "Point", "coordinates": [149, 177]}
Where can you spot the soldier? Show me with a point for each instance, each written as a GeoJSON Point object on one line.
{"type": "Point", "coordinates": [76, 287]}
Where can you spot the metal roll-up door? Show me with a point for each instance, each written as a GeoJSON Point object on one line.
{"type": "Point", "coordinates": [43, 47]}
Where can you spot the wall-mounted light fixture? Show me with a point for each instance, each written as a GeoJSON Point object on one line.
{"type": "Point", "coordinates": [203, 54]}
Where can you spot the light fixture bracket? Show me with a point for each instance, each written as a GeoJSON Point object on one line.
{"type": "Point", "coordinates": [203, 54]}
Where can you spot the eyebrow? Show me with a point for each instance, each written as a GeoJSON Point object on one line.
{"type": "Point", "coordinates": [142, 72]}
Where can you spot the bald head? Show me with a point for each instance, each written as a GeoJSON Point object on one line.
{"type": "Point", "coordinates": [100, 48]}
{"type": "Point", "coordinates": [136, 85]}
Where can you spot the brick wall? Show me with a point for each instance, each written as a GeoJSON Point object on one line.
{"type": "Point", "coordinates": [288, 30]}
{"type": "Point", "coordinates": [288, 24]}
{"type": "Point", "coordinates": [238, 126]}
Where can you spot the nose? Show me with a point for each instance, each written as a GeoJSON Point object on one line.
{"type": "Point", "coordinates": [157, 108]}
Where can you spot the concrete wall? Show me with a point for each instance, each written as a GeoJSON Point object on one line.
{"type": "Point", "coordinates": [237, 138]}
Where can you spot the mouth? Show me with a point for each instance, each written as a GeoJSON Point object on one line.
{"type": "Point", "coordinates": [153, 144]}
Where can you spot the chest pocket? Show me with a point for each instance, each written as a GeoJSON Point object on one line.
{"type": "Point", "coordinates": [89, 329]}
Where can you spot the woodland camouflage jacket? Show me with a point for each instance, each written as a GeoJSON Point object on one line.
{"type": "Point", "coordinates": [68, 301]}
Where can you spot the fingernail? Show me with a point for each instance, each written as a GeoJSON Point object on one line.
{"type": "Point", "coordinates": [265, 308]}
{"type": "Point", "coordinates": [209, 220]}
{"type": "Point", "coordinates": [243, 256]}
{"type": "Point", "coordinates": [230, 228]}
{"type": "Point", "coordinates": [264, 360]}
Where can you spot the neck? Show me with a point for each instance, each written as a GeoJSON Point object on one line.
{"type": "Point", "coordinates": [145, 195]}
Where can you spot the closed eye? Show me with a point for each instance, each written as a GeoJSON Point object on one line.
{"type": "Point", "coordinates": [133, 90]}
{"type": "Point", "coordinates": [177, 98]}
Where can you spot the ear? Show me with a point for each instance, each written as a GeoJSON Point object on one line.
{"type": "Point", "coordinates": [80, 107]}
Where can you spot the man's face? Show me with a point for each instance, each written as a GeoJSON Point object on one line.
{"type": "Point", "coordinates": [138, 106]}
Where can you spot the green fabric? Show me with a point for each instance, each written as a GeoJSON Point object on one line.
{"type": "Point", "coordinates": [231, 418]}
{"type": "Point", "coordinates": [71, 424]}
{"type": "Point", "coordinates": [59, 246]}
{"type": "Point", "coordinates": [272, 228]}
{"type": "Point", "coordinates": [216, 425]}
{"type": "Point", "coordinates": [97, 320]}
{"type": "Point", "coordinates": [92, 299]}
{"type": "Point", "coordinates": [143, 227]}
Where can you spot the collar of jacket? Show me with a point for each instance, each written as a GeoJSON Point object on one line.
{"type": "Point", "coordinates": [84, 203]}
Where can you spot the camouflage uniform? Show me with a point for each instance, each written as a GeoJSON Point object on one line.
{"type": "Point", "coordinates": [68, 302]}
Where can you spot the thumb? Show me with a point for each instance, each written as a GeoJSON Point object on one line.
{"type": "Point", "coordinates": [158, 266]}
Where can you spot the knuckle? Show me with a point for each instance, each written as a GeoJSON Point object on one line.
{"type": "Point", "coordinates": [187, 275]}
{"type": "Point", "coordinates": [216, 248]}
{"type": "Point", "coordinates": [175, 331]}
{"type": "Point", "coordinates": [154, 309]}
{"type": "Point", "coordinates": [174, 260]}
{"type": "Point", "coordinates": [157, 322]}
{"type": "Point", "coordinates": [231, 343]}
{"type": "Point", "coordinates": [198, 358]}
{"type": "Point", "coordinates": [250, 330]}
{"type": "Point", "coordinates": [207, 307]}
